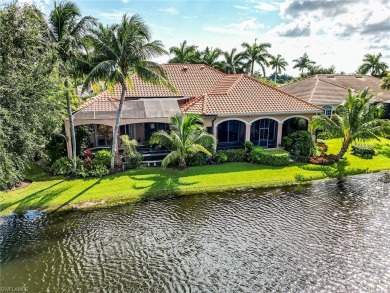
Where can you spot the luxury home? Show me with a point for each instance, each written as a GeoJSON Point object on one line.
{"type": "Point", "coordinates": [235, 108]}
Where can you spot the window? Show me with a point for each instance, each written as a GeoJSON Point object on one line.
{"type": "Point", "coordinates": [231, 131]}
{"type": "Point", "coordinates": [328, 111]}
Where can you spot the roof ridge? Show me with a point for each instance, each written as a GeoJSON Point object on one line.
{"type": "Point", "coordinates": [225, 85]}
{"type": "Point", "coordinates": [193, 64]}
{"type": "Point", "coordinates": [314, 89]}
{"type": "Point", "coordinates": [320, 79]}
{"type": "Point", "coordinates": [307, 77]}
{"type": "Point", "coordinates": [278, 89]}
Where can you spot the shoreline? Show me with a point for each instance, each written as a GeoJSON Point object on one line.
{"type": "Point", "coordinates": [52, 194]}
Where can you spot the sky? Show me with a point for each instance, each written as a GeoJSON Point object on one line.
{"type": "Point", "coordinates": [331, 32]}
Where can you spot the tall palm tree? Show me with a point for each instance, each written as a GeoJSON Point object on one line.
{"type": "Point", "coordinates": [278, 63]}
{"type": "Point", "coordinates": [66, 30]}
{"type": "Point", "coordinates": [372, 64]}
{"type": "Point", "coordinates": [233, 62]}
{"type": "Point", "coordinates": [355, 119]}
{"type": "Point", "coordinates": [123, 50]}
{"type": "Point", "coordinates": [303, 62]}
{"type": "Point", "coordinates": [256, 53]}
{"type": "Point", "coordinates": [210, 57]}
{"type": "Point", "coordinates": [187, 137]}
{"type": "Point", "coordinates": [184, 53]}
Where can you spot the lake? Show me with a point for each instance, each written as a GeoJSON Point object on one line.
{"type": "Point", "coordinates": [332, 236]}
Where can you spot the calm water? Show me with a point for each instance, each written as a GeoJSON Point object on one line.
{"type": "Point", "coordinates": [330, 237]}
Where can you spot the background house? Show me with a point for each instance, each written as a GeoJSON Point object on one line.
{"type": "Point", "coordinates": [329, 90]}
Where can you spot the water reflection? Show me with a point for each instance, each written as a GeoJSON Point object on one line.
{"type": "Point", "coordinates": [332, 236]}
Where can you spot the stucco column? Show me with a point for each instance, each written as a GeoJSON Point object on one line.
{"type": "Point", "coordinates": [280, 132]}
{"type": "Point", "coordinates": [68, 139]}
{"type": "Point", "coordinates": [248, 131]}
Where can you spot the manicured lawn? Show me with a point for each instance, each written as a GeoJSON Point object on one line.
{"type": "Point", "coordinates": [57, 193]}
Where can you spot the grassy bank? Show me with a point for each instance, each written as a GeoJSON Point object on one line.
{"type": "Point", "coordinates": [56, 193]}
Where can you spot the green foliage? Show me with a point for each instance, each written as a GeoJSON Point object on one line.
{"type": "Point", "coordinates": [269, 157]}
{"type": "Point", "coordinates": [303, 63]}
{"type": "Point", "coordinates": [62, 166]}
{"type": "Point", "coordinates": [102, 157]}
{"type": "Point", "coordinates": [99, 170]}
{"type": "Point", "coordinates": [324, 135]}
{"type": "Point", "coordinates": [355, 119]}
{"type": "Point", "coordinates": [233, 155]}
{"type": "Point", "coordinates": [186, 138]}
{"type": "Point", "coordinates": [372, 64]}
{"type": "Point", "coordinates": [299, 143]}
{"type": "Point", "coordinates": [363, 150]}
{"type": "Point", "coordinates": [83, 133]}
{"type": "Point", "coordinates": [132, 157]}
{"type": "Point", "coordinates": [29, 108]}
{"type": "Point", "coordinates": [198, 159]}
{"type": "Point", "coordinates": [249, 146]}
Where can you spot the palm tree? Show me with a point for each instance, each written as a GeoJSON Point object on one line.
{"type": "Point", "coordinates": [233, 62]}
{"type": "Point", "coordinates": [66, 30]}
{"type": "Point", "coordinates": [123, 50]}
{"type": "Point", "coordinates": [355, 119]}
{"type": "Point", "coordinates": [278, 63]}
{"type": "Point", "coordinates": [256, 53]}
{"type": "Point", "coordinates": [210, 57]}
{"type": "Point", "coordinates": [372, 63]}
{"type": "Point", "coordinates": [184, 53]}
{"type": "Point", "coordinates": [187, 137]}
{"type": "Point", "coordinates": [303, 62]}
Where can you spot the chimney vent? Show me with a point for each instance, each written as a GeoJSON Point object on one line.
{"type": "Point", "coordinates": [184, 68]}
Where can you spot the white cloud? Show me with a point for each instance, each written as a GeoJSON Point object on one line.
{"type": "Point", "coordinates": [112, 16]}
{"type": "Point", "coordinates": [246, 27]}
{"type": "Point", "coordinates": [266, 6]}
{"type": "Point", "coordinates": [242, 7]}
{"type": "Point", "coordinates": [170, 10]}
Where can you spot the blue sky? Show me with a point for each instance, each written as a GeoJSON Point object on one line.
{"type": "Point", "coordinates": [332, 32]}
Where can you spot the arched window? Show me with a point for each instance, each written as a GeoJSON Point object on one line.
{"type": "Point", "coordinates": [264, 132]}
{"type": "Point", "coordinates": [231, 131]}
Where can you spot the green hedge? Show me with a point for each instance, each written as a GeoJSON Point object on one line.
{"type": "Point", "coordinates": [272, 157]}
{"type": "Point", "coordinates": [363, 151]}
{"type": "Point", "coordinates": [233, 155]}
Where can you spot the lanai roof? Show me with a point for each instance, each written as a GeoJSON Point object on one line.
{"type": "Point", "coordinates": [324, 89]}
{"type": "Point", "coordinates": [211, 92]}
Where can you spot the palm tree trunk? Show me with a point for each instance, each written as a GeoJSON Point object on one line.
{"type": "Point", "coordinates": [275, 76]}
{"type": "Point", "coordinates": [252, 65]}
{"type": "Point", "coordinates": [71, 125]}
{"type": "Point", "coordinates": [116, 128]}
{"type": "Point", "coordinates": [344, 149]}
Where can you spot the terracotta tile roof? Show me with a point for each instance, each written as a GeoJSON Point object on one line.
{"type": "Point", "coordinates": [323, 89]}
{"type": "Point", "coordinates": [211, 92]}
{"type": "Point", "coordinates": [241, 94]}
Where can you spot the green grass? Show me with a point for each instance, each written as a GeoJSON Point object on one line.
{"type": "Point", "coordinates": [57, 193]}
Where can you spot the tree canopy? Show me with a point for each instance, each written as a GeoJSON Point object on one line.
{"type": "Point", "coordinates": [29, 106]}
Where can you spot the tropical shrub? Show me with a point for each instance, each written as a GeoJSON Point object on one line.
{"type": "Point", "coordinates": [102, 157]}
{"type": "Point", "coordinates": [299, 143]}
{"type": "Point", "coordinates": [271, 157]}
{"type": "Point", "coordinates": [323, 135]}
{"type": "Point", "coordinates": [131, 156]}
{"type": "Point", "coordinates": [198, 159]}
{"type": "Point", "coordinates": [99, 170]}
{"type": "Point", "coordinates": [363, 151]}
{"type": "Point", "coordinates": [62, 166]}
{"type": "Point", "coordinates": [233, 155]}
{"type": "Point", "coordinates": [249, 146]}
